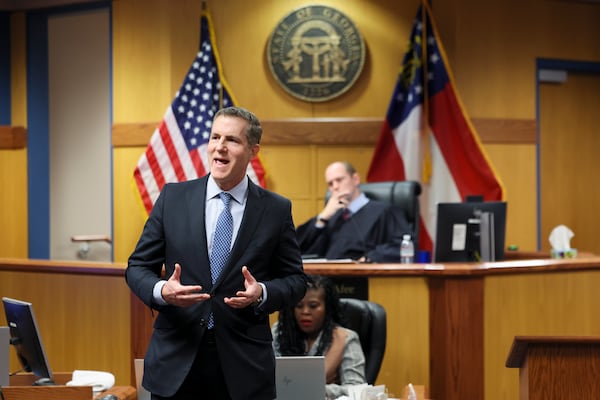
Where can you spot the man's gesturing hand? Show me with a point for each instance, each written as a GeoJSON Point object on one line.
{"type": "Point", "coordinates": [182, 295]}
{"type": "Point", "coordinates": [244, 298]}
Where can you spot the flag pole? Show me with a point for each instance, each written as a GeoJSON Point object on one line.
{"type": "Point", "coordinates": [426, 166]}
{"type": "Point", "coordinates": [212, 41]}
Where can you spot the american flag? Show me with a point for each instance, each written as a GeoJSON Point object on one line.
{"type": "Point", "coordinates": [177, 148]}
{"type": "Point", "coordinates": [427, 135]}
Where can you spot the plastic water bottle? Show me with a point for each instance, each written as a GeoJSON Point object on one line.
{"type": "Point", "coordinates": [407, 250]}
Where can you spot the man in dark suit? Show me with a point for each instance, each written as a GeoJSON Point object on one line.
{"type": "Point", "coordinates": [211, 338]}
{"type": "Point", "coordinates": [351, 225]}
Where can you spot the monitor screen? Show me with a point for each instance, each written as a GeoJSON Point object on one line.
{"type": "Point", "coordinates": [467, 232]}
{"type": "Point", "coordinates": [25, 337]}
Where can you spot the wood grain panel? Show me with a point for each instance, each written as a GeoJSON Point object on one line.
{"type": "Point", "coordinates": [338, 131]}
{"type": "Point", "coordinates": [27, 391]}
{"type": "Point", "coordinates": [47, 392]}
{"type": "Point", "coordinates": [83, 316]}
{"type": "Point", "coordinates": [406, 360]}
{"type": "Point", "coordinates": [561, 371]}
{"type": "Point", "coordinates": [456, 338]}
{"type": "Point", "coordinates": [129, 213]}
{"type": "Point", "coordinates": [553, 368]}
{"type": "Point", "coordinates": [569, 144]}
{"type": "Point", "coordinates": [13, 137]}
{"type": "Point", "coordinates": [546, 304]}
{"type": "Point", "coordinates": [18, 69]}
{"type": "Point", "coordinates": [520, 192]}
{"type": "Point", "coordinates": [13, 203]}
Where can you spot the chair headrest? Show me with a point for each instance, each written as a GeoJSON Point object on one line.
{"type": "Point", "coordinates": [404, 194]}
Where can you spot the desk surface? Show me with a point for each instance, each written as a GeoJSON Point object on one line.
{"type": "Point", "coordinates": [516, 266]}
{"type": "Point", "coordinates": [515, 263]}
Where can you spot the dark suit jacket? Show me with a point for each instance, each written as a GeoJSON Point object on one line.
{"type": "Point", "coordinates": [266, 244]}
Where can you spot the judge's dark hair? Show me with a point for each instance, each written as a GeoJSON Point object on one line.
{"type": "Point", "coordinates": [291, 339]}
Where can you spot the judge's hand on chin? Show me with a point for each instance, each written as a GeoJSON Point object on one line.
{"type": "Point", "coordinates": [336, 201]}
{"type": "Point", "coordinates": [173, 292]}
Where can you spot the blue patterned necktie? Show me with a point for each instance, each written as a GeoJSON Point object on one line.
{"type": "Point", "coordinates": [221, 243]}
{"type": "Point", "coordinates": [221, 239]}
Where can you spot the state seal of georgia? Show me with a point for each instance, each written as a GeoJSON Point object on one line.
{"type": "Point", "coordinates": [316, 53]}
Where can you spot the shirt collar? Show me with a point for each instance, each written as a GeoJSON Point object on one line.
{"type": "Point", "coordinates": [358, 203]}
{"type": "Point", "coordinates": [239, 191]}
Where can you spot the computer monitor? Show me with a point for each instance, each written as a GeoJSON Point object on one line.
{"type": "Point", "coordinates": [470, 231]}
{"type": "Point", "coordinates": [25, 337]}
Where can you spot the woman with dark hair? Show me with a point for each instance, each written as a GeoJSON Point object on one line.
{"type": "Point", "coordinates": [313, 328]}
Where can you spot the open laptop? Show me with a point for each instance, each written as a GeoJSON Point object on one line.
{"type": "Point", "coordinates": [300, 378]}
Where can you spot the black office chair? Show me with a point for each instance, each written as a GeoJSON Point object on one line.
{"type": "Point", "coordinates": [404, 194]}
{"type": "Point", "coordinates": [369, 320]}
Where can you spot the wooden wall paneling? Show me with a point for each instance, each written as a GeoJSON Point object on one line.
{"type": "Point", "coordinates": [556, 304]}
{"type": "Point", "coordinates": [490, 58]}
{"type": "Point", "coordinates": [129, 214]}
{"type": "Point", "coordinates": [143, 83]}
{"type": "Point", "coordinates": [406, 360]}
{"type": "Point", "coordinates": [18, 70]}
{"type": "Point", "coordinates": [290, 173]}
{"type": "Point", "coordinates": [339, 131]}
{"type": "Point", "coordinates": [569, 144]}
{"type": "Point", "coordinates": [520, 190]}
{"type": "Point", "coordinates": [289, 169]}
{"type": "Point", "coordinates": [84, 320]}
{"type": "Point", "coordinates": [13, 201]}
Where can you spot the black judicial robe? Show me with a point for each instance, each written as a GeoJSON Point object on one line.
{"type": "Point", "coordinates": [374, 231]}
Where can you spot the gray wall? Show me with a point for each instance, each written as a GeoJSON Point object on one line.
{"type": "Point", "coordinates": [80, 135]}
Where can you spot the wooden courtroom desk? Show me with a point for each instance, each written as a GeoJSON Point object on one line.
{"type": "Point", "coordinates": [450, 326]}
{"type": "Point", "coordinates": [82, 310]}
{"type": "Point", "coordinates": [21, 389]}
{"type": "Point", "coordinates": [474, 311]}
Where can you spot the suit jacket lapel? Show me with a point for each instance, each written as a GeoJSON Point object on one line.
{"type": "Point", "coordinates": [195, 201]}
